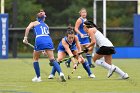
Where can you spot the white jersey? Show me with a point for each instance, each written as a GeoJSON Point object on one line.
{"type": "Point", "coordinates": [101, 40]}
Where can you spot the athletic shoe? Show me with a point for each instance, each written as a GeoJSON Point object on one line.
{"type": "Point", "coordinates": [125, 76]}
{"type": "Point", "coordinates": [92, 76]}
{"type": "Point", "coordinates": [92, 66]}
{"type": "Point", "coordinates": [36, 79]}
{"type": "Point", "coordinates": [62, 77]}
{"type": "Point", "coordinates": [111, 71]}
{"type": "Point", "coordinates": [51, 76]}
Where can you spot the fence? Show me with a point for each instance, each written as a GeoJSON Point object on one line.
{"type": "Point", "coordinates": [119, 37]}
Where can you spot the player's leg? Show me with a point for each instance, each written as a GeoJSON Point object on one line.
{"type": "Point", "coordinates": [108, 59]}
{"type": "Point", "coordinates": [85, 65]}
{"type": "Point", "coordinates": [55, 64]}
{"type": "Point", "coordinates": [60, 55]}
{"type": "Point", "coordinates": [122, 74]}
{"type": "Point", "coordinates": [89, 59]}
{"type": "Point", "coordinates": [68, 63]}
{"type": "Point", "coordinates": [37, 78]}
{"type": "Point", "coordinates": [102, 63]}
{"type": "Point", "coordinates": [116, 69]}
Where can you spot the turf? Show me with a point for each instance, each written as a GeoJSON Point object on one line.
{"type": "Point", "coordinates": [16, 75]}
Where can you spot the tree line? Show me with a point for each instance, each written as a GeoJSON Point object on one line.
{"type": "Point", "coordinates": [64, 12]}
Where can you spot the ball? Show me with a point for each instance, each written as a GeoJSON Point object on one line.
{"type": "Point", "coordinates": [79, 77]}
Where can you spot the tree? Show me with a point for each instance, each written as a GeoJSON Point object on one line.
{"type": "Point", "coordinates": [26, 9]}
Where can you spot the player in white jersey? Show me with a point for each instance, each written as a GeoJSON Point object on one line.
{"type": "Point", "coordinates": [106, 49]}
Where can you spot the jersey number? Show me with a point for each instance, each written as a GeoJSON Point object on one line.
{"type": "Point", "coordinates": [44, 30]}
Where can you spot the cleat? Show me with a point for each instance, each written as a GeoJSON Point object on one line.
{"type": "Point", "coordinates": [51, 76]}
{"type": "Point", "coordinates": [91, 76]}
{"type": "Point", "coordinates": [125, 76]}
{"type": "Point", "coordinates": [111, 71]}
{"type": "Point", "coordinates": [36, 79]}
{"type": "Point", "coordinates": [62, 77]}
{"type": "Point", "coordinates": [92, 66]}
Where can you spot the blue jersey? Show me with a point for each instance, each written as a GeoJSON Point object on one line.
{"type": "Point", "coordinates": [85, 40]}
{"type": "Point", "coordinates": [81, 29]}
{"type": "Point", "coordinates": [72, 45]}
{"type": "Point", "coordinates": [43, 40]}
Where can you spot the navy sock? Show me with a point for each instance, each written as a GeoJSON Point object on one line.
{"type": "Point", "coordinates": [88, 56]}
{"type": "Point", "coordinates": [86, 67]}
{"type": "Point", "coordinates": [36, 68]}
{"type": "Point", "coordinates": [56, 66]}
{"type": "Point", "coordinates": [53, 70]}
{"type": "Point", "coordinates": [69, 61]}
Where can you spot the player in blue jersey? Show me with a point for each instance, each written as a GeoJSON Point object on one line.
{"type": "Point", "coordinates": [82, 35]}
{"type": "Point", "coordinates": [70, 46]}
{"type": "Point", "coordinates": [44, 42]}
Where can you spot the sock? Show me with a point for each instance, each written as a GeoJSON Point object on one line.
{"type": "Point", "coordinates": [86, 67]}
{"type": "Point", "coordinates": [56, 65]}
{"type": "Point", "coordinates": [88, 56]}
{"type": "Point", "coordinates": [36, 68]}
{"type": "Point", "coordinates": [103, 64]}
{"type": "Point", "coordinates": [119, 71]}
{"type": "Point", "coordinates": [53, 71]}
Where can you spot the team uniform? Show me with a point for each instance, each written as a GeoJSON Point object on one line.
{"type": "Point", "coordinates": [71, 46]}
{"type": "Point", "coordinates": [43, 40]}
{"type": "Point", "coordinates": [105, 46]}
{"type": "Point", "coordinates": [85, 40]}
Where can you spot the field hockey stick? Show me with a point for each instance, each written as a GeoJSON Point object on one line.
{"type": "Point", "coordinates": [30, 45]}
{"type": "Point", "coordinates": [71, 73]}
{"type": "Point", "coordinates": [43, 52]}
{"type": "Point", "coordinates": [66, 59]}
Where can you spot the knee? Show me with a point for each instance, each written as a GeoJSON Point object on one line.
{"type": "Point", "coordinates": [52, 62]}
{"type": "Point", "coordinates": [35, 58]}
{"type": "Point", "coordinates": [99, 62]}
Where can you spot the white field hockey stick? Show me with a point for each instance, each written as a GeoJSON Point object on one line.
{"type": "Point", "coordinates": [71, 73]}
{"type": "Point", "coordinates": [30, 45]}
{"type": "Point", "coordinates": [43, 52]}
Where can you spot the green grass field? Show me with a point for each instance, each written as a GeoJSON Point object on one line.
{"type": "Point", "coordinates": [16, 75]}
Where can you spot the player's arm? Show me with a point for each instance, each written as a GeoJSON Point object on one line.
{"type": "Point", "coordinates": [28, 29]}
{"type": "Point", "coordinates": [92, 37]}
{"type": "Point", "coordinates": [66, 46]}
{"type": "Point", "coordinates": [77, 24]}
{"type": "Point", "coordinates": [27, 32]}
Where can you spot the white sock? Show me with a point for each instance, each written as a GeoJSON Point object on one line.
{"type": "Point", "coordinates": [119, 71]}
{"type": "Point", "coordinates": [103, 64]}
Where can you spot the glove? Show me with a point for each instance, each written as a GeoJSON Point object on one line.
{"type": "Point", "coordinates": [25, 40]}
{"type": "Point", "coordinates": [86, 50]}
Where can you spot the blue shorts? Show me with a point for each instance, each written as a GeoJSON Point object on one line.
{"type": "Point", "coordinates": [62, 49]}
{"type": "Point", "coordinates": [43, 43]}
{"type": "Point", "coordinates": [83, 41]}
